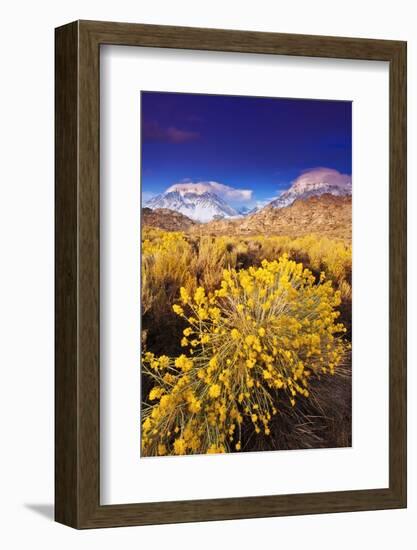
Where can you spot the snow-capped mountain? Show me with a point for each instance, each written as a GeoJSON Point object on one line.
{"type": "Point", "coordinates": [205, 201]}
{"type": "Point", "coordinates": [195, 202]}
{"type": "Point", "coordinates": [313, 183]}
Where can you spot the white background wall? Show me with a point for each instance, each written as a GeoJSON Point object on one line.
{"type": "Point", "coordinates": [26, 272]}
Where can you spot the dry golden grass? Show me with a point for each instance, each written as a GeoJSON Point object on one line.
{"type": "Point", "coordinates": [174, 259]}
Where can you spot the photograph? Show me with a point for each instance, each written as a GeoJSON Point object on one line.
{"type": "Point", "coordinates": [246, 263]}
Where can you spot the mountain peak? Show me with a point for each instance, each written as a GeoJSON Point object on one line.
{"type": "Point", "coordinates": [197, 201]}
{"type": "Point", "coordinates": [198, 188]}
{"type": "Point", "coordinates": [315, 182]}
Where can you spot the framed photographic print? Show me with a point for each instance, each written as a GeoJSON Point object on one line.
{"type": "Point", "coordinates": [230, 274]}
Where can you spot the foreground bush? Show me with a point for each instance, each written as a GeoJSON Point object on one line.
{"type": "Point", "coordinates": [252, 347]}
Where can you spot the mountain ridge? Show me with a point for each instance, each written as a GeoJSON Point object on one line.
{"type": "Point", "coordinates": [168, 220]}
{"type": "Point", "coordinates": [325, 214]}
{"type": "Point", "coordinates": [320, 181]}
{"type": "Point", "coordinates": [204, 201]}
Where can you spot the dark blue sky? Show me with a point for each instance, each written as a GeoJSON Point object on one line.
{"type": "Point", "coordinates": [261, 144]}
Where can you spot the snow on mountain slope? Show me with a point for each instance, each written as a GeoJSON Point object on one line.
{"type": "Point", "coordinates": [198, 204]}
{"type": "Point", "coordinates": [206, 201]}
{"type": "Point", "coordinates": [318, 181]}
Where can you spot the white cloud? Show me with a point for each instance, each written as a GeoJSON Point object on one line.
{"type": "Point", "coordinates": [323, 175]}
{"type": "Point", "coordinates": [224, 191]}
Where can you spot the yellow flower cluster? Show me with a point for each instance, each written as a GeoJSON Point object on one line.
{"type": "Point", "coordinates": [252, 346]}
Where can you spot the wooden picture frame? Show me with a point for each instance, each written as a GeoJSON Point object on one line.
{"type": "Point", "coordinates": [77, 405]}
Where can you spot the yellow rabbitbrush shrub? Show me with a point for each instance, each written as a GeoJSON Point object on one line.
{"type": "Point", "coordinates": [251, 345]}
